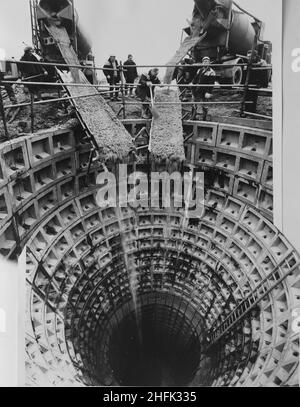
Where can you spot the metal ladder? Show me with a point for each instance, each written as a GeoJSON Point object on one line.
{"type": "Point", "coordinates": [263, 289]}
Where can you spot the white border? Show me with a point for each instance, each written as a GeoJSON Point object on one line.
{"type": "Point", "coordinates": [277, 117]}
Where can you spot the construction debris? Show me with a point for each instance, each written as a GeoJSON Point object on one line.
{"type": "Point", "coordinates": [113, 140]}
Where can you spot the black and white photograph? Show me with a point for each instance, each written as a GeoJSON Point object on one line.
{"type": "Point", "coordinates": [149, 195]}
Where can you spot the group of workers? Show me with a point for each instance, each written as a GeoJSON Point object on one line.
{"type": "Point", "coordinates": [143, 90]}
{"type": "Point", "coordinates": [143, 86]}
{"type": "Point", "coordinates": [112, 72]}
{"type": "Point", "coordinates": [189, 74]}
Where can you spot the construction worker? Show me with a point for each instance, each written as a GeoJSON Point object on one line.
{"type": "Point", "coordinates": [204, 76]}
{"type": "Point", "coordinates": [144, 89]}
{"type": "Point", "coordinates": [184, 76]}
{"type": "Point", "coordinates": [258, 79]}
{"type": "Point", "coordinates": [130, 73]}
{"type": "Point", "coordinates": [112, 72]}
{"type": "Point", "coordinates": [32, 72]}
{"type": "Point", "coordinates": [88, 71]}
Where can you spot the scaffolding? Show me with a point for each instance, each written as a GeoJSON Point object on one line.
{"type": "Point", "coordinates": [105, 89]}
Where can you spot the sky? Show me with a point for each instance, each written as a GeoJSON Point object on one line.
{"type": "Point", "coordinates": [148, 29]}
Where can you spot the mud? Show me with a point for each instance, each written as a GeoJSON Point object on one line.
{"type": "Point", "coordinates": [51, 115]}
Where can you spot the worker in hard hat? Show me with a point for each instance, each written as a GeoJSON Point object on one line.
{"type": "Point", "coordinates": [112, 73]}
{"type": "Point", "coordinates": [204, 76]}
{"type": "Point", "coordinates": [33, 72]}
{"type": "Point", "coordinates": [144, 88]}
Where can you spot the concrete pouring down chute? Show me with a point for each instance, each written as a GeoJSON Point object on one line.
{"type": "Point", "coordinates": [166, 131]}
{"type": "Point", "coordinates": [112, 139]}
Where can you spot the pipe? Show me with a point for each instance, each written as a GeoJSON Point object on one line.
{"type": "Point", "coordinates": [162, 85]}
{"type": "Point", "coordinates": [58, 64]}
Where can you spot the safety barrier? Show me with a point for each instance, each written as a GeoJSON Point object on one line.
{"type": "Point", "coordinates": [229, 88]}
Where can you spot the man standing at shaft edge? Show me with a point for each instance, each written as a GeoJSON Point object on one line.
{"type": "Point", "coordinates": [143, 90]}
{"type": "Point", "coordinates": [112, 72]}
{"type": "Point", "coordinates": [205, 76]}
{"type": "Point", "coordinates": [130, 73]}
{"type": "Point", "coordinates": [33, 72]}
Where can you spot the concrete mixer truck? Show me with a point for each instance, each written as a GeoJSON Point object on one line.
{"type": "Point", "coordinates": [227, 33]}
{"type": "Point", "coordinates": [59, 13]}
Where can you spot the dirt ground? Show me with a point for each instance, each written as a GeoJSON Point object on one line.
{"type": "Point", "coordinates": [50, 115]}
{"type": "Point", "coordinates": [264, 107]}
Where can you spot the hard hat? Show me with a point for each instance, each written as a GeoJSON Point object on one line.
{"type": "Point", "coordinates": [28, 48]}
{"type": "Point", "coordinates": [205, 59]}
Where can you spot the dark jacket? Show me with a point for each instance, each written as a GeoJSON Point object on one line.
{"type": "Point", "coordinates": [29, 70]}
{"type": "Point", "coordinates": [260, 78]}
{"type": "Point", "coordinates": [130, 71]}
{"type": "Point", "coordinates": [142, 90]}
{"type": "Point", "coordinates": [112, 76]}
{"type": "Point", "coordinates": [204, 76]}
